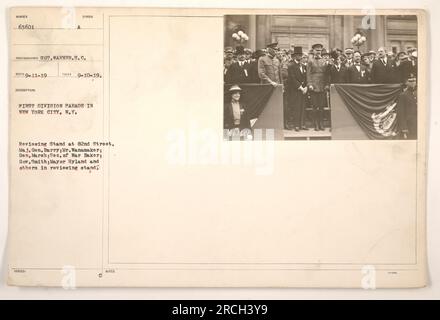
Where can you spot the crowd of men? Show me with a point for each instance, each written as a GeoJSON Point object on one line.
{"type": "Point", "coordinates": [306, 76]}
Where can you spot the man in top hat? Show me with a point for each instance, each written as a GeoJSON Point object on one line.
{"type": "Point", "coordinates": [337, 71]}
{"type": "Point", "coordinates": [239, 72]}
{"type": "Point", "coordinates": [382, 70]}
{"type": "Point", "coordinates": [234, 112]}
{"type": "Point", "coordinates": [407, 109]}
{"type": "Point", "coordinates": [317, 83]}
{"type": "Point", "coordinates": [349, 54]}
{"type": "Point", "coordinates": [357, 73]}
{"type": "Point", "coordinates": [297, 91]}
{"type": "Point", "coordinates": [268, 67]}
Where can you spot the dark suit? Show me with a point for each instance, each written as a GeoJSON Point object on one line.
{"type": "Point", "coordinates": [407, 113]}
{"type": "Point", "coordinates": [383, 73]}
{"type": "Point", "coordinates": [239, 73]}
{"type": "Point", "coordinates": [227, 75]}
{"type": "Point", "coordinates": [338, 75]}
{"type": "Point", "coordinates": [297, 78]}
{"type": "Point", "coordinates": [253, 72]}
{"type": "Point", "coordinates": [228, 117]}
{"type": "Point", "coordinates": [357, 76]}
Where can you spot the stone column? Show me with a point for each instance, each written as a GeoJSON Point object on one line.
{"type": "Point", "coordinates": [252, 33]}
{"type": "Point", "coordinates": [348, 26]}
{"type": "Point", "coordinates": [267, 31]}
{"type": "Point", "coordinates": [378, 38]}
{"type": "Point", "coordinates": [336, 33]}
{"type": "Point", "coordinates": [332, 35]}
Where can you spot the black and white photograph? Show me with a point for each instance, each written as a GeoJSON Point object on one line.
{"type": "Point", "coordinates": [320, 77]}
{"type": "Point", "coordinates": [135, 168]}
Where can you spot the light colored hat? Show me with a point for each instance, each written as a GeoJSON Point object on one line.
{"type": "Point", "coordinates": [234, 88]}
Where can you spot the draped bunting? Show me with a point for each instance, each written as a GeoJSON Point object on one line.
{"type": "Point", "coordinates": [253, 96]}
{"type": "Point", "coordinates": [373, 106]}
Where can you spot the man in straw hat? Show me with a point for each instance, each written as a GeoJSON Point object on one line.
{"type": "Point", "coordinates": [349, 57]}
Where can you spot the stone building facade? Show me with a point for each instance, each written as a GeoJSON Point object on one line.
{"type": "Point", "coordinates": [396, 33]}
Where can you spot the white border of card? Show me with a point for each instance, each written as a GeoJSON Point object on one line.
{"type": "Point", "coordinates": [169, 203]}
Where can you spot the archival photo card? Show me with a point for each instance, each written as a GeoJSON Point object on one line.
{"type": "Point", "coordinates": [217, 147]}
{"type": "Point", "coordinates": [320, 77]}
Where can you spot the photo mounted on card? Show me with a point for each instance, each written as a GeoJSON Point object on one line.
{"type": "Point", "coordinates": [320, 77]}
{"type": "Point", "coordinates": [152, 147]}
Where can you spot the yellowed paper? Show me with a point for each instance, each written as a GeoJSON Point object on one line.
{"type": "Point", "coordinates": [120, 175]}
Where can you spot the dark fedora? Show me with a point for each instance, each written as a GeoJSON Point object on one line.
{"type": "Point", "coordinates": [239, 50]}
{"type": "Point", "coordinates": [335, 54]}
{"type": "Point", "coordinates": [258, 53]}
